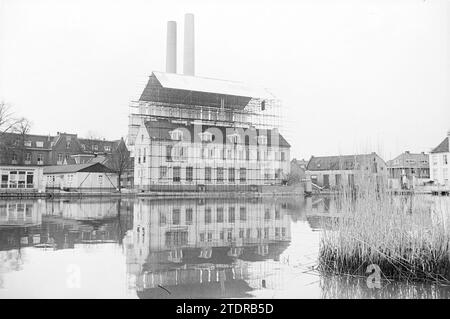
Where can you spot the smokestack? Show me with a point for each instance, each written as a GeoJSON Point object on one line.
{"type": "Point", "coordinates": [189, 47]}
{"type": "Point", "coordinates": [171, 50]}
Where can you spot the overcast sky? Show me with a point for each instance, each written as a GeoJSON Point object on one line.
{"type": "Point", "coordinates": [353, 76]}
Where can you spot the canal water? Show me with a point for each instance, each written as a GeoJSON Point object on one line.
{"type": "Point", "coordinates": [196, 248]}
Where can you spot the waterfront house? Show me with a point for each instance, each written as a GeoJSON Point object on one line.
{"type": "Point", "coordinates": [187, 157]}
{"type": "Point", "coordinates": [21, 178]}
{"type": "Point", "coordinates": [80, 177]}
{"type": "Point", "coordinates": [408, 170]}
{"type": "Point", "coordinates": [439, 163]}
{"type": "Point", "coordinates": [333, 172]}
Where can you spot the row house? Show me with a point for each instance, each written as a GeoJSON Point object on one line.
{"type": "Point", "coordinates": [26, 153]}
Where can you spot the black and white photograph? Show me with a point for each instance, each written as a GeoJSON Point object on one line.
{"type": "Point", "coordinates": [235, 152]}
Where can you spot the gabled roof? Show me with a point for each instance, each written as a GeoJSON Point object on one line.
{"type": "Point", "coordinates": [444, 147]}
{"type": "Point", "coordinates": [88, 167]}
{"type": "Point", "coordinates": [408, 159]}
{"type": "Point", "coordinates": [341, 162]}
{"type": "Point", "coordinates": [210, 85]}
{"type": "Point", "coordinates": [160, 130]}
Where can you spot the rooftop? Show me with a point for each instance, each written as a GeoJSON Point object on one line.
{"type": "Point", "coordinates": [340, 162]}
{"type": "Point", "coordinates": [444, 147]}
{"type": "Point", "coordinates": [93, 167]}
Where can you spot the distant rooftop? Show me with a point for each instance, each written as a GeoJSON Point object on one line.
{"type": "Point", "coordinates": [340, 162]}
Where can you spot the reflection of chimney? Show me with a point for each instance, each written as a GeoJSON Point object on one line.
{"type": "Point", "coordinates": [171, 50]}
{"type": "Point", "coordinates": [189, 47]}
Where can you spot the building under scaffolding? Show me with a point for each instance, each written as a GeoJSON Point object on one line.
{"type": "Point", "coordinates": [196, 133]}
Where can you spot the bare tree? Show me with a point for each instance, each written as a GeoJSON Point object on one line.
{"type": "Point", "coordinates": [21, 128]}
{"type": "Point", "coordinates": [120, 161]}
{"type": "Point", "coordinates": [9, 145]}
{"type": "Point", "coordinates": [6, 118]}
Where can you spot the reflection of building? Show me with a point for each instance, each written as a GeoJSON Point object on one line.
{"type": "Point", "coordinates": [194, 244]}
{"type": "Point", "coordinates": [440, 162]}
{"type": "Point", "coordinates": [62, 224]}
{"type": "Point", "coordinates": [408, 170]}
{"type": "Point", "coordinates": [331, 172]}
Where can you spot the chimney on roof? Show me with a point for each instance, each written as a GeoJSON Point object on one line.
{"type": "Point", "coordinates": [448, 133]}
{"type": "Point", "coordinates": [189, 45]}
{"type": "Point", "coordinates": [171, 49]}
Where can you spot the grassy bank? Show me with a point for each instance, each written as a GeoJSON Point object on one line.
{"type": "Point", "coordinates": [406, 237]}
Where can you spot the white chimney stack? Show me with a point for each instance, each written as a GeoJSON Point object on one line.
{"type": "Point", "coordinates": [189, 45]}
{"type": "Point", "coordinates": [171, 49]}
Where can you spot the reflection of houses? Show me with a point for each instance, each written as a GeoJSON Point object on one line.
{"type": "Point", "coordinates": [331, 172]}
{"type": "Point", "coordinates": [198, 239]}
{"type": "Point", "coordinates": [408, 170]}
{"type": "Point", "coordinates": [20, 213]}
{"type": "Point", "coordinates": [440, 162]}
{"type": "Point", "coordinates": [63, 224]}
{"type": "Point", "coordinates": [90, 176]}
{"type": "Point", "coordinates": [320, 211]}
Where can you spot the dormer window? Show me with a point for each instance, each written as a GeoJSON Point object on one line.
{"type": "Point", "coordinates": [39, 144]}
{"type": "Point", "coordinates": [83, 147]}
{"type": "Point", "coordinates": [262, 140]}
{"type": "Point", "coordinates": [234, 138]}
{"type": "Point", "coordinates": [107, 148]}
{"type": "Point", "coordinates": [68, 144]}
{"type": "Point", "coordinates": [95, 147]}
{"type": "Point", "coordinates": [176, 135]}
{"type": "Point", "coordinates": [206, 136]}
{"type": "Point", "coordinates": [28, 143]}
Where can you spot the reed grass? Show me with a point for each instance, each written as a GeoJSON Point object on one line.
{"type": "Point", "coordinates": [407, 237]}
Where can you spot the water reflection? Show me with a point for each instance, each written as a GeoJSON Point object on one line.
{"type": "Point", "coordinates": [201, 248]}
{"type": "Point", "coordinates": [197, 248]}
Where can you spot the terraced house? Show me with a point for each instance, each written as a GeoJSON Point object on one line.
{"type": "Point", "coordinates": [23, 154]}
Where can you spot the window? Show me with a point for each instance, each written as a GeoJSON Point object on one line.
{"type": "Point", "coordinates": [176, 213]}
{"type": "Point", "coordinates": [283, 156]}
{"type": "Point", "coordinates": [219, 174]}
{"type": "Point", "coordinates": [234, 138]}
{"type": "Point", "coordinates": [176, 135]}
{"type": "Point", "coordinates": [263, 105]}
{"type": "Point", "coordinates": [176, 174]}
{"type": "Point", "coordinates": [28, 143]}
{"type": "Point", "coordinates": [28, 157]}
{"type": "Point", "coordinates": [67, 144]}
{"type": "Point", "coordinates": [262, 140]}
{"type": "Point", "coordinates": [108, 148]}
{"type": "Point", "coordinates": [208, 215]}
{"type": "Point", "coordinates": [169, 153]}
{"type": "Point", "coordinates": [162, 172]}
{"type": "Point", "coordinates": [189, 216]}
{"type": "Point", "coordinates": [60, 157]}
{"type": "Point", "coordinates": [445, 159]}
{"type": "Point", "coordinates": [144, 155]}
{"type": "Point", "coordinates": [267, 174]}
{"type": "Point", "coordinates": [189, 173]}
{"type": "Point", "coordinates": [39, 144]}
{"type": "Point", "coordinates": [83, 147]}
{"type": "Point", "coordinates": [219, 212]}
{"type": "Point", "coordinates": [40, 158]}
{"type": "Point", "coordinates": [231, 215]}
{"type": "Point", "coordinates": [95, 147]}
{"type": "Point", "coordinates": [208, 174]}
{"type": "Point", "coordinates": [231, 176]}
{"type": "Point", "coordinates": [205, 136]}
{"type": "Point", "coordinates": [243, 175]}
{"type": "Point", "coordinates": [243, 213]}
{"type": "Point", "coordinates": [100, 180]}
{"type": "Point", "coordinates": [267, 214]}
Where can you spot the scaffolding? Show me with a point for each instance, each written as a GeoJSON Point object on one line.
{"type": "Point", "coordinates": [204, 165]}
